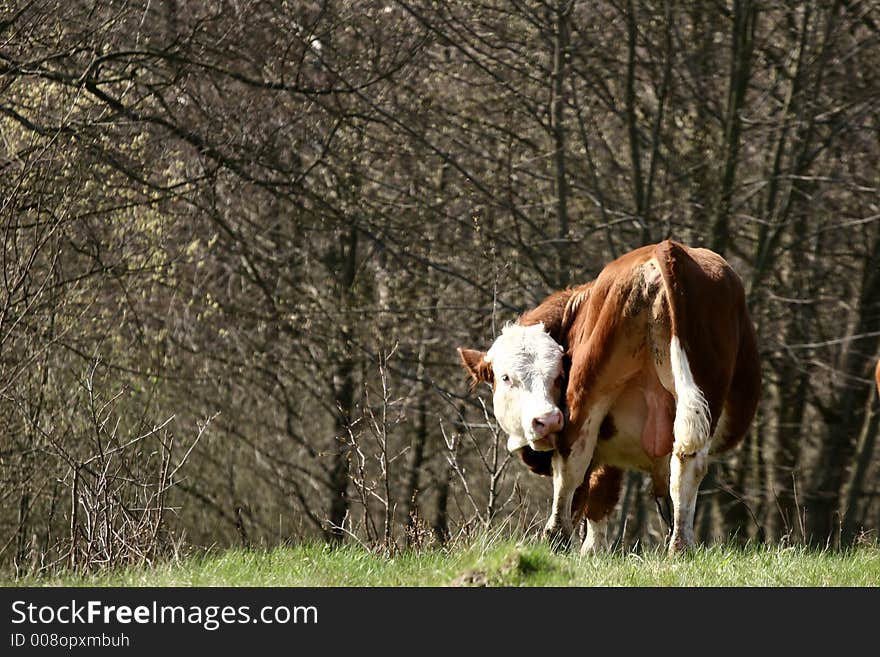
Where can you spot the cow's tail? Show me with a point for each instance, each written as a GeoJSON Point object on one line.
{"type": "Point", "coordinates": [692, 426]}
{"type": "Point", "coordinates": [692, 420]}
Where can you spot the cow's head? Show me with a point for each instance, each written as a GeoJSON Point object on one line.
{"type": "Point", "coordinates": [524, 366]}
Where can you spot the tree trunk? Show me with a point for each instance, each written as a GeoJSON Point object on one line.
{"type": "Point", "coordinates": [557, 104]}
{"type": "Point", "coordinates": [632, 123]}
{"type": "Point", "coordinates": [343, 395]}
{"type": "Point", "coordinates": [414, 466]}
{"type": "Point", "coordinates": [441, 517]}
{"type": "Point", "coordinates": [744, 19]}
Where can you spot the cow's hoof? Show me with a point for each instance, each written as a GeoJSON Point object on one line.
{"type": "Point", "coordinates": [558, 538]}
{"type": "Point", "coordinates": [594, 546]}
{"type": "Point", "coordinates": [679, 545]}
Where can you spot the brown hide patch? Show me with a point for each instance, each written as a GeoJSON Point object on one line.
{"type": "Point", "coordinates": [556, 312]}
{"type": "Point", "coordinates": [602, 492]}
{"type": "Point", "coordinates": [745, 386]}
{"type": "Point", "coordinates": [538, 462]}
{"type": "Point", "coordinates": [605, 485]}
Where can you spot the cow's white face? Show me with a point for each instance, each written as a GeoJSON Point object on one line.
{"type": "Point", "coordinates": [524, 365]}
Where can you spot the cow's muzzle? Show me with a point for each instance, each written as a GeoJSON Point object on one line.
{"type": "Point", "coordinates": [544, 444]}
{"type": "Point", "coordinates": [547, 424]}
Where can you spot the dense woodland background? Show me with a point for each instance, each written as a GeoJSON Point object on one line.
{"type": "Point", "coordinates": [241, 241]}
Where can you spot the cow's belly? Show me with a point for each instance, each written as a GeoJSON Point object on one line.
{"type": "Point", "coordinates": [624, 447]}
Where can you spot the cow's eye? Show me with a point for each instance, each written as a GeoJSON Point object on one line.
{"type": "Point", "coordinates": [505, 378]}
{"type": "Point", "coordinates": [559, 381]}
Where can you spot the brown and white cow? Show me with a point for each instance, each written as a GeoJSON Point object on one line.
{"type": "Point", "coordinates": [653, 366]}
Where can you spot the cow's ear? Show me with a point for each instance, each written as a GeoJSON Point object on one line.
{"type": "Point", "coordinates": [476, 365]}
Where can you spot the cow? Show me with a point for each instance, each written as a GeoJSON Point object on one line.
{"type": "Point", "coordinates": [877, 376]}
{"type": "Point", "coordinates": [652, 366]}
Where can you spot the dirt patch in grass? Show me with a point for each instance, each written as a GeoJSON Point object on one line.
{"type": "Point", "coordinates": [524, 566]}
{"type": "Point", "coordinates": [471, 578]}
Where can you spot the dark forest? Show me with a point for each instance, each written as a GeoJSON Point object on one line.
{"type": "Point", "coordinates": [242, 240]}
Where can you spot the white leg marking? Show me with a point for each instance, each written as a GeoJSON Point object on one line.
{"type": "Point", "coordinates": [597, 537]}
{"type": "Point", "coordinates": [690, 448]}
{"type": "Point", "coordinates": [686, 473]}
{"type": "Point", "coordinates": [568, 474]}
{"type": "Point", "coordinates": [691, 427]}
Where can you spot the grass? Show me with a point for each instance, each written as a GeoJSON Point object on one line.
{"type": "Point", "coordinates": [497, 562]}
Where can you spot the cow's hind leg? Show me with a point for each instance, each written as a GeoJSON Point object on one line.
{"type": "Point", "coordinates": [686, 473]}
{"type": "Point", "coordinates": [690, 448]}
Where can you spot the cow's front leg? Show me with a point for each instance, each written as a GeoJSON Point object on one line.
{"type": "Point", "coordinates": [568, 474]}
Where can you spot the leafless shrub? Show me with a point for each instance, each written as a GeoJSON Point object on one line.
{"type": "Point", "coordinates": [370, 443]}
{"type": "Point", "coordinates": [492, 459]}
{"type": "Point", "coordinates": [418, 531]}
{"type": "Point", "coordinates": [117, 483]}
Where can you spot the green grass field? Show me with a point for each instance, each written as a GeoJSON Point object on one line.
{"type": "Point", "coordinates": [498, 563]}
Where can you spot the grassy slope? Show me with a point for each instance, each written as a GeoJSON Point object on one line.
{"type": "Point", "coordinates": [500, 563]}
